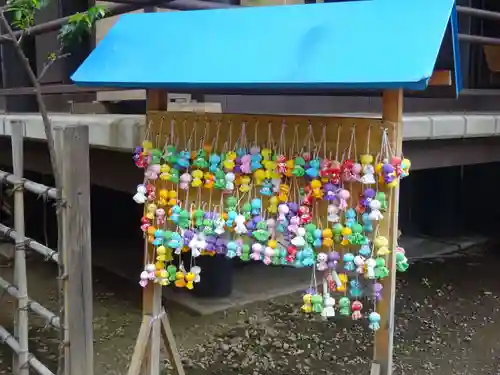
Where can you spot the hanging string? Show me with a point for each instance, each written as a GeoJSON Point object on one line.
{"type": "Point", "coordinates": [368, 136]}
{"type": "Point", "coordinates": [282, 146]}
{"type": "Point", "coordinates": [338, 143]}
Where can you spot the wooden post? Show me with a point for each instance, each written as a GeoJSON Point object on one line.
{"type": "Point", "coordinates": [72, 147]}
{"type": "Point", "coordinates": [21, 363]}
{"type": "Point", "coordinates": [155, 323]}
{"type": "Point", "coordinates": [392, 112]}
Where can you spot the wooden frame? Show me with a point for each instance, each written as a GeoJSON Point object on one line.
{"type": "Point", "coordinates": [146, 353]}
{"type": "Point", "coordinates": [74, 201]}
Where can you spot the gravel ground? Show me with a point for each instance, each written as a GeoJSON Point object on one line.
{"type": "Point", "coordinates": [447, 323]}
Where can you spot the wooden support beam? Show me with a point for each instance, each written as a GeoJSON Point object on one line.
{"type": "Point", "coordinates": [392, 112]}
{"type": "Point", "coordinates": [441, 78]}
{"type": "Point", "coordinates": [21, 327]}
{"type": "Point", "coordinates": [155, 323]}
{"type": "Point", "coordinates": [72, 147]}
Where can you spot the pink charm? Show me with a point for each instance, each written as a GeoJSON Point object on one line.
{"type": "Point", "coordinates": [245, 164]}
{"type": "Point", "coordinates": [256, 251]}
{"type": "Point", "coordinates": [294, 224]}
{"type": "Point", "coordinates": [281, 159]}
{"type": "Point", "coordinates": [343, 195]}
{"type": "Point", "coordinates": [160, 216]}
{"type": "Point", "coordinates": [268, 255]}
{"type": "Point", "coordinates": [322, 262]}
{"type": "Point", "coordinates": [356, 310]}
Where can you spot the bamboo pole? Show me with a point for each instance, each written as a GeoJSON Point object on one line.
{"type": "Point", "coordinates": [7, 338]}
{"type": "Point", "coordinates": [20, 279]}
{"type": "Point", "coordinates": [34, 187]}
{"type": "Point", "coordinates": [32, 244]}
{"type": "Point", "coordinates": [35, 307]}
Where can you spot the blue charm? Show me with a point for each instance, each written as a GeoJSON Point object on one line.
{"type": "Point", "coordinates": [267, 188]}
{"type": "Point", "coordinates": [256, 206]}
{"type": "Point", "coordinates": [355, 289]}
{"type": "Point", "coordinates": [350, 217]}
{"type": "Point", "coordinates": [367, 223]}
{"type": "Point", "coordinates": [232, 247]}
{"type": "Point", "coordinates": [349, 262]}
{"type": "Point", "coordinates": [176, 210]}
{"type": "Point", "coordinates": [214, 161]}
{"type": "Point", "coordinates": [365, 251]}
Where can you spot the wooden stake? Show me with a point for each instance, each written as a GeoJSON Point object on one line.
{"type": "Point", "coordinates": [73, 154]}
{"type": "Point", "coordinates": [21, 363]}
{"type": "Point", "coordinates": [392, 102]}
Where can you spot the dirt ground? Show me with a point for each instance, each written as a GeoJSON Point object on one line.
{"type": "Point", "coordinates": [448, 322]}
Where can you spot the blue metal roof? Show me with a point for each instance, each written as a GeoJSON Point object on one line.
{"type": "Point", "coordinates": [372, 44]}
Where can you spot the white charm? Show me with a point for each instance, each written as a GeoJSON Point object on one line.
{"type": "Point", "coordinates": [328, 307]}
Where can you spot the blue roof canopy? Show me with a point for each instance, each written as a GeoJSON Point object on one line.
{"type": "Point", "coordinates": [313, 48]}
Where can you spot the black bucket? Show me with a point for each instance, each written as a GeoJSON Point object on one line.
{"type": "Point", "coordinates": [216, 277]}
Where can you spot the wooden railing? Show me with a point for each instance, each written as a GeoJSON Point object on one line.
{"type": "Point", "coordinates": [73, 255]}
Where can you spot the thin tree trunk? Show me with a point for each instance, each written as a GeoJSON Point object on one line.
{"type": "Point", "coordinates": [57, 176]}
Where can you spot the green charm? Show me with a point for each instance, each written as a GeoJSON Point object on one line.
{"type": "Point", "coordinates": [184, 221]}
{"type": "Point", "coordinates": [381, 270]}
{"type": "Point", "coordinates": [231, 204]}
{"type": "Point", "coordinates": [156, 156]}
{"type": "Point", "coordinates": [220, 180]}
{"type": "Point", "coordinates": [170, 156]}
{"type": "Point", "coordinates": [344, 306]}
{"type": "Point", "coordinates": [380, 196]}
{"type": "Point", "coordinates": [317, 303]}
{"type": "Point", "coordinates": [198, 217]}
{"type": "Point", "coordinates": [245, 253]}
{"type": "Point", "coordinates": [401, 262]}
{"type": "Point", "coordinates": [174, 176]}
{"type": "Point", "coordinates": [171, 270]}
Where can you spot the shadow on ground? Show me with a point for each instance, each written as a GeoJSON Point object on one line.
{"type": "Point", "coordinates": [447, 322]}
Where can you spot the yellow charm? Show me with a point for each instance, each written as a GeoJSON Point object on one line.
{"type": "Point", "coordinates": [273, 205]}
{"type": "Point", "coordinates": [190, 280]}
{"type": "Point", "coordinates": [327, 235]}
{"type": "Point", "coordinates": [259, 176]}
{"type": "Point", "coordinates": [147, 145]}
{"type": "Point", "coordinates": [209, 180]}
{"type": "Point", "coordinates": [172, 198]}
{"type": "Point", "coordinates": [307, 306]}
{"type": "Point", "coordinates": [180, 282]}
{"type": "Point", "coordinates": [245, 184]}
{"type": "Point", "coordinates": [284, 193]}
{"type": "Point", "coordinates": [366, 159]}
{"type": "Point", "coordinates": [150, 211]}
{"type": "Point", "coordinates": [266, 153]}
{"type": "Point", "coordinates": [343, 281]}
{"type": "Point", "coordinates": [197, 176]}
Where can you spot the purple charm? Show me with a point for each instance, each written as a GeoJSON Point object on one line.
{"type": "Point", "coordinates": [188, 236]}
{"type": "Point", "coordinates": [221, 246]}
{"type": "Point", "coordinates": [293, 208]}
{"type": "Point", "coordinates": [333, 258]}
{"type": "Point", "coordinates": [211, 215]}
{"type": "Point", "coordinates": [210, 240]}
{"type": "Point", "coordinates": [329, 192]}
{"type": "Point", "coordinates": [311, 291]}
{"type": "Point", "coordinates": [377, 291]}
{"type": "Point", "coordinates": [387, 168]}
{"type": "Point", "coordinates": [369, 193]}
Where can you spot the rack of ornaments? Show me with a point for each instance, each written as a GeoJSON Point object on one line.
{"type": "Point", "coordinates": [298, 191]}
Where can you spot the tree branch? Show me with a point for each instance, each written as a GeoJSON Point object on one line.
{"type": "Point", "coordinates": [49, 63]}
{"type": "Point", "coordinates": [38, 93]}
